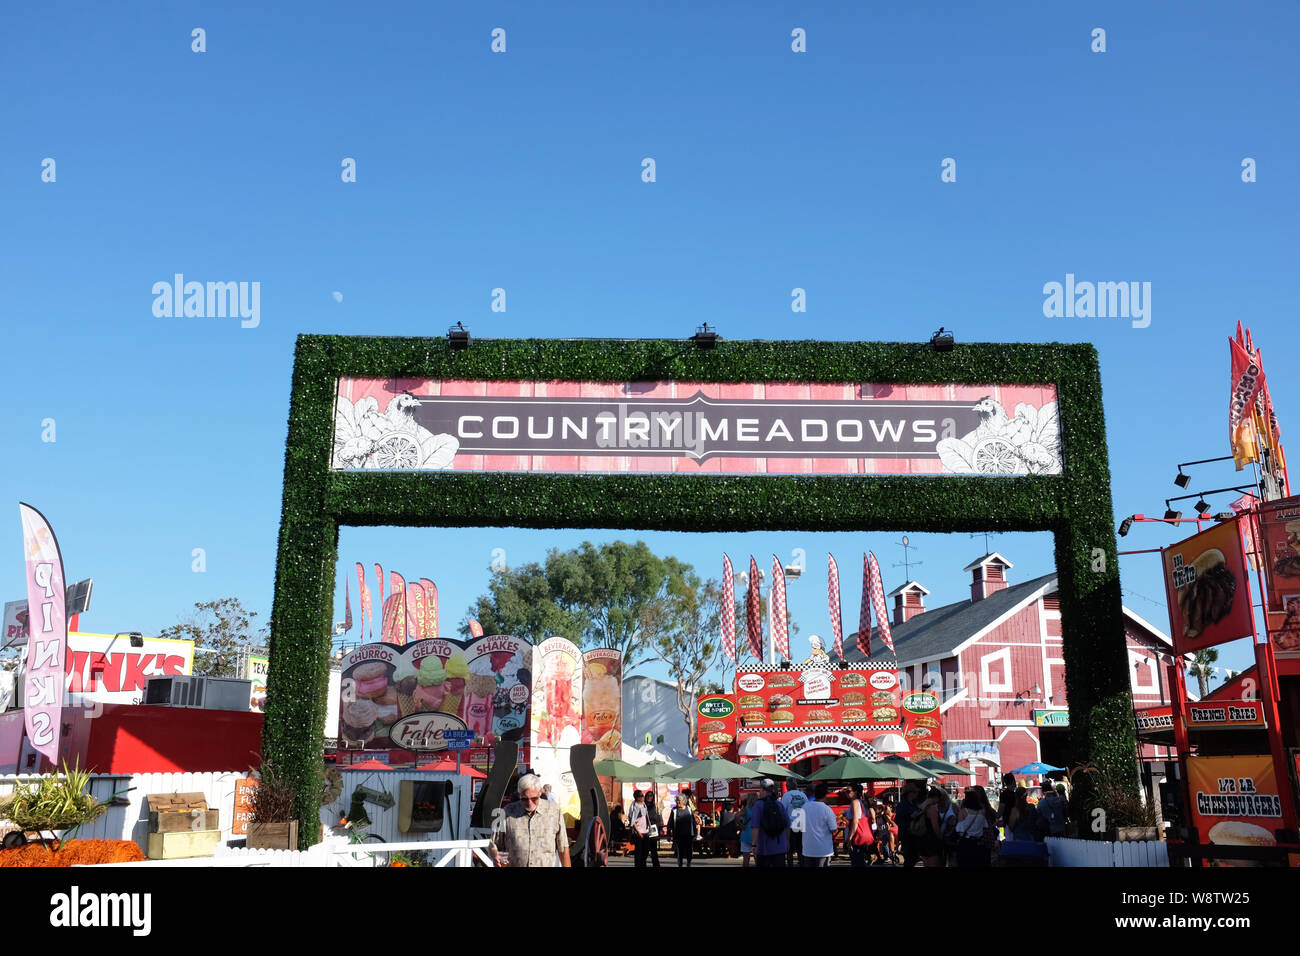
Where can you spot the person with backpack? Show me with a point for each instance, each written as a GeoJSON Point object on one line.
{"type": "Point", "coordinates": [682, 828]}
{"type": "Point", "coordinates": [859, 834]}
{"type": "Point", "coordinates": [1052, 811]}
{"type": "Point", "coordinates": [771, 825]}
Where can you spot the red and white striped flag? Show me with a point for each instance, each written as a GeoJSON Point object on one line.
{"type": "Point", "coordinates": [754, 612]}
{"type": "Point", "coordinates": [837, 615]}
{"type": "Point", "coordinates": [878, 602]}
{"type": "Point", "coordinates": [780, 627]}
{"type": "Point", "coordinates": [728, 609]}
{"type": "Point", "coordinates": [864, 612]}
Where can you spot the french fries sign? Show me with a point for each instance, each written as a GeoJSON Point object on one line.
{"type": "Point", "coordinates": [1209, 594]}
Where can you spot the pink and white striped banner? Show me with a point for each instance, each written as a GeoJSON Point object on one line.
{"type": "Point", "coordinates": [878, 602]}
{"type": "Point", "coordinates": [780, 626]}
{"type": "Point", "coordinates": [833, 595]}
{"type": "Point", "coordinates": [728, 609]}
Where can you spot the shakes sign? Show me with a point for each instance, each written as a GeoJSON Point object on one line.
{"type": "Point", "coordinates": [415, 424]}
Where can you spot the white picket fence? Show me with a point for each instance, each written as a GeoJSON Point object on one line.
{"type": "Point", "coordinates": [131, 821]}
{"type": "Point", "coordinates": [1063, 852]}
{"type": "Point", "coordinates": [334, 853]}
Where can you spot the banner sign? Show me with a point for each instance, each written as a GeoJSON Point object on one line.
{"type": "Point", "coordinates": [1051, 718]}
{"type": "Point", "coordinates": [1235, 799]}
{"type": "Point", "coordinates": [602, 702]}
{"type": "Point", "coordinates": [416, 424]}
{"type": "Point", "coordinates": [257, 671]}
{"type": "Point", "coordinates": [921, 725]}
{"type": "Point", "coordinates": [1279, 523]}
{"type": "Point", "coordinates": [1225, 714]}
{"type": "Point", "coordinates": [244, 789]}
{"type": "Point", "coordinates": [43, 684]}
{"type": "Point", "coordinates": [15, 624]}
{"type": "Point", "coordinates": [824, 744]}
{"type": "Point", "coordinates": [557, 694]}
{"type": "Point", "coordinates": [483, 684]}
{"type": "Point", "coordinates": [1205, 577]}
{"type": "Point", "coordinates": [106, 669]}
{"type": "Point", "coordinates": [1154, 718]}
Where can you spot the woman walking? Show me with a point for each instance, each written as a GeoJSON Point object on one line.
{"type": "Point", "coordinates": [656, 826]}
{"type": "Point", "coordinates": [861, 821]}
{"type": "Point", "coordinates": [745, 813]}
{"type": "Point", "coordinates": [682, 828]}
{"type": "Point", "coordinates": [977, 822]}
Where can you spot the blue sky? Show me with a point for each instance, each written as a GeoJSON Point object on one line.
{"type": "Point", "coordinates": [521, 170]}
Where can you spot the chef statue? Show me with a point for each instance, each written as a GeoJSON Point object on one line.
{"type": "Point", "coordinates": [816, 668]}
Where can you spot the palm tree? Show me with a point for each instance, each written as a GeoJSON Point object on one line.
{"type": "Point", "coordinates": [1201, 667]}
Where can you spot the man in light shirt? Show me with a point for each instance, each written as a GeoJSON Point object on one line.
{"type": "Point", "coordinates": [795, 797]}
{"type": "Point", "coordinates": [818, 830]}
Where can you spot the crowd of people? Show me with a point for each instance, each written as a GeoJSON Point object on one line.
{"type": "Point", "coordinates": [922, 825]}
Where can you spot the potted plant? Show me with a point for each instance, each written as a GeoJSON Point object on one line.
{"type": "Point", "coordinates": [272, 825]}
{"type": "Point", "coordinates": [55, 802]}
{"type": "Point", "coordinates": [1125, 816]}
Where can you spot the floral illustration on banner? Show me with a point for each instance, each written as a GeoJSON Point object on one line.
{"type": "Point", "coordinates": [1027, 444]}
{"type": "Point", "coordinates": [364, 437]}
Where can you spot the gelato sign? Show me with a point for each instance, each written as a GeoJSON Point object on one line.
{"type": "Point", "coordinates": [483, 684]}
{"type": "Point", "coordinates": [424, 732]}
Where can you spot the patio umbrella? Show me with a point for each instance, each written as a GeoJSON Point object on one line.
{"type": "Point", "coordinates": [942, 767]}
{"type": "Point", "coordinates": [655, 770]}
{"type": "Point", "coordinates": [852, 767]}
{"type": "Point", "coordinates": [370, 764]}
{"type": "Point", "coordinates": [711, 768]}
{"type": "Point", "coordinates": [770, 768]}
{"type": "Point", "coordinates": [901, 769]}
{"type": "Point", "coordinates": [620, 769]}
{"type": "Point", "coordinates": [450, 765]}
{"type": "Point", "coordinates": [1035, 769]}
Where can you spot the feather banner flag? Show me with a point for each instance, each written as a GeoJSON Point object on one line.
{"type": "Point", "coordinates": [780, 626]}
{"type": "Point", "coordinates": [397, 589]}
{"type": "Point", "coordinates": [864, 611]}
{"type": "Point", "coordinates": [47, 629]}
{"type": "Point", "coordinates": [367, 608]}
{"type": "Point", "coordinates": [475, 629]}
{"type": "Point", "coordinates": [379, 573]}
{"type": "Point", "coordinates": [878, 602]}
{"type": "Point", "coordinates": [833, 595]}
{"type": "Point", "coordinates": [417, 611]}
{"type": "Point", "coordinates": [754, 612]}
{"type": "Point", "coordinates": [431, 605]}
{"type": "Point", "coordinates": [347, 598]}
{"type": "Point", "coordinates": [728, 609]}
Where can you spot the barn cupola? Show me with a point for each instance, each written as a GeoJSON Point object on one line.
{"type": "Point", "coordinates": [909, 601]}
{"type": "Point", "coordinates": [988, 575]}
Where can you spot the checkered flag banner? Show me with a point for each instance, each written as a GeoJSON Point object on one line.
{"type": "Point", "coordinates": [728, 609]}
{"type": "Point", "coordinates": [780, 626]}
{"type": "Point", "coordinates": [833, 594]}
{"type": "Point", "coordinates": [754, 612]}
{"type": "Point", "coordinates": [878, 602]}
{"type": "Point", "coordinates": [864, 612]}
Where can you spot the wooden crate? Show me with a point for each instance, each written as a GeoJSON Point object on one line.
{"type": "Point", "coordinates": [159, 802]}
{"type": "Point", "coordinates": [186, 843]}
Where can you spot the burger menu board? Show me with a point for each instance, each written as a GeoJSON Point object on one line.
{"type": "Point", "coordinates": [716, 726]}
{"type": "Point", "coordinates": [921, 725]}
{"type": "Point", "coordinates": [774, 699]}
{"type": "Point", "coordinates": [1209, 595]}
{"type": "Point", "coordinates": [1280, 529]}
{"type": "Point", "coordinates": [390, 692]}
{"type": "Point", "coordinates": [1235, 799]}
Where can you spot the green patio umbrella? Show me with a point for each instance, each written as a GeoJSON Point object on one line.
{"type": "Point", "coordinates": [853, 767]}
{"type": "Point", "coordinates": [655, 770]}
{"type": "Point", "coordinates": [763, 767]}
{"type": "Point", "coordinates": [712, 768]}
{"type": "Point", "coordinates": [619, 769]}
{"type": "Point", "coordinates": [942, 767]}
{"type": "Point", "coordinates": [900, 769]}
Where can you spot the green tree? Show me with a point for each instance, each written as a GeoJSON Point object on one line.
{"type": "Point", "coordinates": [691, 647]}
{"type": "Point", "coordinates": [1202, 666]}
{"type": "Point", "coordinates": [617, 594]}
{"type": "Point", "coordinates": [223, 627]}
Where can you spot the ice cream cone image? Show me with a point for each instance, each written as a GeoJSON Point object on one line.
{"type": "Point", "coordinates": [451, 704]}
{"type": "Point", "coordinates": [406, 704]}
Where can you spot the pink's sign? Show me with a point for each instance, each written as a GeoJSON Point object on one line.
{"type": "Point", "coordinates": [47, 644]}
{"type": "Point", "coordinates": [657, 427]}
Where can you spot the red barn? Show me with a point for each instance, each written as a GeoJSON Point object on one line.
{"type": "Point", "coordinates": [996, 661]}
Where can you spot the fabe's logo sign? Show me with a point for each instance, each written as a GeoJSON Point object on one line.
{"type": "Point", "coordinates": [424, 732]}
